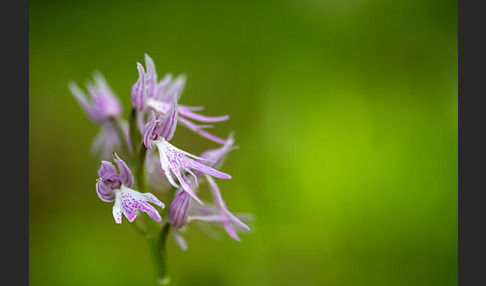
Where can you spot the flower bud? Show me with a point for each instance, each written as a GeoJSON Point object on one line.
{"type": "Point", "coordinates": [178, 209]}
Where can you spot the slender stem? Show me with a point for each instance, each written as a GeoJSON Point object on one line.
{"type": "Point", "coordinates": [156, 236]}
{"type": "Point", "coordinates": [139, 168]}
{"type": "Point", "coordinates": [158, 249]}
{"type": "Point", "coordinates": [134, 134]}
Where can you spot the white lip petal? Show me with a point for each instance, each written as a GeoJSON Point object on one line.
{"type": "Point", "coordinates": [117, 210]}
{"type": "Point", "coordinates": [131, 202]}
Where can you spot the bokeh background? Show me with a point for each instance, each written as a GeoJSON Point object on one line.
{"type": "Point", "coordinates": [346, 117]}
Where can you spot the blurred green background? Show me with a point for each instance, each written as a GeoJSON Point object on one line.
{"type": "Point", "coordinates": [346, 117]}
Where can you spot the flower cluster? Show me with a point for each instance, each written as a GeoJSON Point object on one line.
{"type": "Point", "coordinates": [144, 142]}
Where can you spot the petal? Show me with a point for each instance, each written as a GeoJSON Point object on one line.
{"type": "Point", "coordinates": [129, 205]}
{"type": "Point", "coordinates": [150, 210]}
{"type": "Point", "coordinates": [192, 174]}
{"type": "Point", "coordinates": [148, 130]}
{"type": "Point", "coordinates": [179, 240]}
{"type": "Point", "coordinates": [83, 102]}
{"type": "Point", "coordinates": [162, 107]}
{"type": "Point", "coordinates": [158, 106]}
{"type": "Point", "coordinates": [175, 90]}
{"type": "Point", "coordinates": [106, 103]}
{"type": "Point", "coordinates": [168, 122]}
{"type": "Point", "coordinates": [156, 177]}
{"type": "Point", "coordinates": [207, 170]}
{"type": "Point", "coordinates": [133, 201]}
{"type": "Point", "coordinates": [192, 108]}
{"type": "Point", "coordinates": [149, 197]}
{"type": "Point", "coordinates": [177, 159]}
{"type": "Point", "coordinates": [107, 171]}
{"type": "Point", "coordinates": [105, 193]}
{"type": "Point", "coordinates": [179, 209]}
{"type": "Point", "coordinates": [102, 85]}
{"type": "Point", "coordinates": [198, 130]}
{"type": "Point", "coordinates": [218, 155]}
{"type": "Point", "coordinates": [224, 212]}
{"type": "Point", "coordinates": [186, 111]}
{"type": "Point", "coordinates": [162, 85]}
{"type": "Point", "coordinates": [236, 220]}
{"type": "Point", "coordinates": [171, 180]}
{"type": "Point", "coordinates": [151, 76]}
{"type": "Point", "coordinates": [117, 210]}
{"type": "Point", "coordinates": [184, 184]}
{"type": "Point", "coordinates": [202, 210]}
{"type": "Point", "coordinates": [138, 92]}
{"type": "Point", "coordinates": [231, 231]}
{"type": "Point", "coordinates": [164, 154]}
{"type": "Point", "coordinates": [126, 175]}
{"type": "Point", "coordinates": [106, 106]}
{"type": "Point", "coordinates": [129, 213]}
{"type": "Point", "coordinates": [210, 218]}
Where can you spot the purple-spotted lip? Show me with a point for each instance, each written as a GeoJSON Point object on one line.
{"type": "Point", "coordinates": [175, 161]}
{"type": "Point", "coordinates": [130, 202]}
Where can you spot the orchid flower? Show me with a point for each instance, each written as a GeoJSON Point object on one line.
{"type": "Point", "coordinates": [217, 214]}
{"type": "Point", "coordinates": [149, 95]}
{"type": "Point", "coordinates": [181, 206]}
{"type": "Point", "coordinates": [157, 133]}
{"type": "Point", "coordinates": [101, 107]}
{"type": "Point", "coordinates": [179, 209]}
{"type": "Point", "coordinates": [116, 186]}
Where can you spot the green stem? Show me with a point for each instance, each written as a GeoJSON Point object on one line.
{"type": "Point", "coordinates": [152, 231]}
{"type": "Point", "coordinates": [156, 236]}
{"type": "Point", "coordinates": [158, 249]}
{"type": "Point", "coordinates": [134, 134]}
{"type": "Point", "coordinates": [139, 168]}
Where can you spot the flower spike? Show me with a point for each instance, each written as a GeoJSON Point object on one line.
{"type": "Point", "coordinates": [145, 138]}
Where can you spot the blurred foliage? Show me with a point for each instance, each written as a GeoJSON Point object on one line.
{"type": "Point", "coordinates": [346, 117]}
